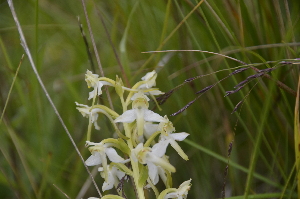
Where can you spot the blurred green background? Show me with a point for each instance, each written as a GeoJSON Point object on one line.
{"type": "Point", "coordinates": [37, 158]}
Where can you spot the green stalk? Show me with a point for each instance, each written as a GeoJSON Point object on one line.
{"type": "Point", "coordinates": [263, 122]}
{"type": "Point", "coordinates": [297, 138]}
{"type": "Point", "coordinates": [134, 165]}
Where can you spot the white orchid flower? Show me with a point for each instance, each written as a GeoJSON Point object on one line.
{"type": "Point", "coordinates": [181, 192]}
{"type": "Point", "coordinates": [139, 112]}
{"type": "Point", "coordinates": [92, 81]}
{"type": "Point", "coordinates": [167, 134]}
{"type": "Point", "coordinates": [153, 159]}
{"type": "Point", "coordinates": [99, 152]}
{"type": "Point", "coordinates": [150, 79]}
{"type": "Point", "coordinates": [114, 175]}
{"type": "Point", "coordinates": [88, 113]}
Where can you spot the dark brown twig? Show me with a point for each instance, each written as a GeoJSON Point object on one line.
{"type": "Point", "coordinates": [88, 50]}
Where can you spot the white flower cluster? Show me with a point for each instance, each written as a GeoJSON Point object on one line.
{"type": "Point", "coordinates": [144, 141]}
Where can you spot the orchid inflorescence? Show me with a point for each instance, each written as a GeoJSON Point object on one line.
{"type": "Point", "coordinates": [143, 144]}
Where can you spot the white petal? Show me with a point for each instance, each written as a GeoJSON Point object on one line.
{"type": "Point", "coordinates": [162, 174]}
{"type": "Point", "coordinates": [99, 86]}
{"type": "Point", "coordinates": [119, 173]}
{"type": "Point", "coordinates": [155, 92]}
{"type": "Point", "coordinates": [94, 114]}
{"type": "Point", "coordinates": [179, 136]}
{"type": "Point", "coordinates": [171, 195]}
{"type": "Point", "coordinates": [149, 129]}
{"type": "Point", "coordinates": [184, 188]}
{"type": "Point", "coordinates": [159, 149]}
{"type": "Point", "coordinates": [110, 184]}
{"type": "Point", "coordinates": [150, 116]}
{"type": "Point", "coordinates": [149, 75]}
{"type": "Point", "coordinates": [127, 117]}
{"type": "Point", "coordinates": [92, 94]}
{"type": "Point", "coordinates": [77, 104]}
{"type": "Point", "coordinates": [140, 94]}
{"type": "Point", "coordinates": [113, 155]}
{"type": "Point", "coordinates": [153, 173]}
{"type": "Point", "coordinates": [97, 127]}
{"type": "Point", "coordinates": [93, 160]}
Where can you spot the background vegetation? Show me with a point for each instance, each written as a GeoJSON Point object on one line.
{"type": "Point", "coordinates": [37, 158]}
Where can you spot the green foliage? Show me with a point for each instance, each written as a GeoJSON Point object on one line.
{"type": "Point", "coordinates": [37, 157]}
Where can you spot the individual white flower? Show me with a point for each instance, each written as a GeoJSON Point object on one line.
{"type": "Point", "coordinates": [114, 175]}
{"type": "Point", "coordinates": [139, 112]}
{"type": "Point", "coordinates": [100, 151]}
{"type": "Point", "coordinates": [153, 158]}
{"type": "Point", "coordinates": [181, 192]}
{"type": "Point", "coordinates": [88, 113]}
{"type": "Point", "coordinates": [150, 79]}
{"type": "Point", "coordinates": [167, 134]}
{"type": "Point", "coordinates": [92, 81]}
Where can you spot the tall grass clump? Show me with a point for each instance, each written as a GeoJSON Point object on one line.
{"type": "Point", "coordinates": [228, 72]}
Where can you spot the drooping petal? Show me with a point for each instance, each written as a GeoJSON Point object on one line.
{"type": "Point", "coordinates": [113, 155]}
{"type": "Point", "coordinates": [153, 172]}
{"type": "Point", "coordinates": [162, 174]}
{"type": "Point", "coordinates": [109, 184]}
{"type": "Point", "coordinates": [92, 94]}
{"type": "Point", "coordinates": [119, 174]}
{"type": "Point", "coordinates": [94, 159]}
{"type": "Point", "coordinates": [127, 117]}
{"type": "Point", "coordinates": [100, 84]}
{"type": "Point", "coordinates": [150, 116]}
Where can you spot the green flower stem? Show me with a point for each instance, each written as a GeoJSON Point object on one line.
{"type": "Point", "coordinates": [114, 125]}
{"type": "Point", "coordinates": [153, 187]}
{"type": "Point", "coordinates": [131, 93]}
{"type": "Point", "coordinates": [134, 165]}
{"type": "Point", "coordinates": [108, 110]}
{"type": "Point", "coordinates": [89, 130]}
{"type": "Point", "coordinates": [152, 137]}
{"type": "Point", "coordinates": [156, 103]}
{"type": "Point", "coordinates": [107, 80]}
